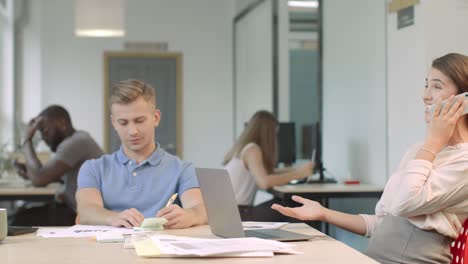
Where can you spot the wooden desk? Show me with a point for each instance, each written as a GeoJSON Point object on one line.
{"type": "Point", "coordinates": [322, 192]}
{"type": "Point", "coordinates": [32, 249]}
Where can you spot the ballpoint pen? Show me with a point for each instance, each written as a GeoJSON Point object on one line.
{"type": "Point", "coordinates": [172, 199]}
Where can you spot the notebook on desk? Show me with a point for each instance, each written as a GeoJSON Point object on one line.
{"type": "Point", "coordinates": [223, 214]}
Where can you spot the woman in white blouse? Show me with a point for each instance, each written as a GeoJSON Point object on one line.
{"type": "Point", "coordinates": [425, 202]}
{"type": "Point", "coordinates": [251, 165]}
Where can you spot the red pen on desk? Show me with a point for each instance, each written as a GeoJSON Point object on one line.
{"type": "Point", "coordinates": [352, 182]}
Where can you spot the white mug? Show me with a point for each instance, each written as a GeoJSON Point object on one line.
{"type": "Point", "coordinates": [3, 224]}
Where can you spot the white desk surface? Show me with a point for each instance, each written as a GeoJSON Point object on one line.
{"type": "Point", "coordinates": [32, 249]}
{"type": "Point", "coordinates": [328, 188]}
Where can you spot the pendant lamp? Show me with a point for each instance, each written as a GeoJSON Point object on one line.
{"type": "Point", "coordinates": [99, 18]}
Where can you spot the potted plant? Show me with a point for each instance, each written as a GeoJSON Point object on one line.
{"type": "Point", "coordinates": [6, 161]}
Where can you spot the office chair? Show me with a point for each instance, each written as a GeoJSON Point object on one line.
{"type": "Point", "coordinates": [459, 247]}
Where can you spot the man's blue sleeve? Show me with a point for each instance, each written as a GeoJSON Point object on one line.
{"type": "Point", "coordinates": [188, 178]}
{"type": "Point", "coordinates": [88, 176]}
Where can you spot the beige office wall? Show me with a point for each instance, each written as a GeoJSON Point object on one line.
{"type": "Point", "coordinates": [6, 74]}
{"type": "Point", "coordinates": [354, 86]}
{"type": "Point", "coordinates": [2, 74]}
{"type": "Point", "coordinates": [72, 70]}
{"type": "Point", "coordinates": [354, 101]}
{"type": "Point", "coordinates": [254, 70]}
{"type": "Point", "coordinates": [240, 5]}
{"type": "Point", "coordinates": [30, 60]}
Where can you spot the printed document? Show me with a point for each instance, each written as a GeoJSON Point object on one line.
{"type": "Point", "coordinates": [177, 246]}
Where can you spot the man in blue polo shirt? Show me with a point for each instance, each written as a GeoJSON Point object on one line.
{"type": "Point", "coordinates": [136, 182]}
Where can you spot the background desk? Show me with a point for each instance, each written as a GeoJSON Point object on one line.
{"type": "Point", "coordinates": [323, 192]}
{"type": "Point", "coordinates": [14, 191]}
{"type": "Point", "coordinates": [21, 191]}
{"type": "Point", "coordinates": [32, 249]}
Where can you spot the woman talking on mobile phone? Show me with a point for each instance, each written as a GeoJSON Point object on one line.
{"type": "Point", "coordinates": [425, 201]}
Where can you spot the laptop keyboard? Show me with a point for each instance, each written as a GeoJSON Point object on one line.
{"type": "Point", "coordinates": [276, 234]}
{"type": "Point", "coordinates": [260, 234]}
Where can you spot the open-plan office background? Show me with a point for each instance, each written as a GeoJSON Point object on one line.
{"type": "Point", "coordinates": [369, 70]}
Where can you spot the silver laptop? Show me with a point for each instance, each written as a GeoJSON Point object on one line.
{"type": "Point", "coordinates": [223, 214]}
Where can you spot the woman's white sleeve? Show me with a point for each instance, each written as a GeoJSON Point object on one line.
{"type": "Point", "coordinates": [372, 221]}
{"type": "Point", "coordinates": [425, 190]}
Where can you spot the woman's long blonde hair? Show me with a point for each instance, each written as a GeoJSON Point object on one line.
{"type": "Point", "coordinates": [261, 130]}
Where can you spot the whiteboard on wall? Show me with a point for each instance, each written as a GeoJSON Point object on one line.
{"type": "Point", "coordinates": [253, 59]}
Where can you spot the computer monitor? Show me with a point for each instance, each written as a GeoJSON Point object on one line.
{"type": "Point", "coordinates": [312, 141]}
{"type": "Point", "coordinates": [286, 143]}
{"type": "Point", "coordinates": [310, 135]}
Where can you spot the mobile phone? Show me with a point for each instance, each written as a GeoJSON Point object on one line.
{"type": "Point", "coordinates": [432, 107]}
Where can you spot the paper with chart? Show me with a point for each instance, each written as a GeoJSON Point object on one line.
{"type": "Point", "coordinates": [176, 246]}
{"type": "Point", "coordinates": [83, 231]}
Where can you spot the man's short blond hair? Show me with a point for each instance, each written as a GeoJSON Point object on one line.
{"type": "Point", "coordinates": [127, 91]}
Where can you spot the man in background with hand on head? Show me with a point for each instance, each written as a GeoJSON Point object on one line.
{"type": "Point", "coordinates": [135, 182]}
{"type": "Point", "coordinates": [72, 148]}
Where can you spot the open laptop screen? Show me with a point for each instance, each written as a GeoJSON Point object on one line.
{"type": "Point", "coordinates": [223, 214]}
{"type": "Point", "coordinates": [220, 202]}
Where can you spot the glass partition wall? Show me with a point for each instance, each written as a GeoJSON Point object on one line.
{"type": "Point", "coordinates": [277, 67]}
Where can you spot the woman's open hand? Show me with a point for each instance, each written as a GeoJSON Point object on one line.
{"type": "Point", "coordinates": [310, 210]}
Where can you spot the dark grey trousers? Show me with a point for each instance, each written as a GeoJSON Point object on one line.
{"type": "Point", "coordinates": [398, 241]}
